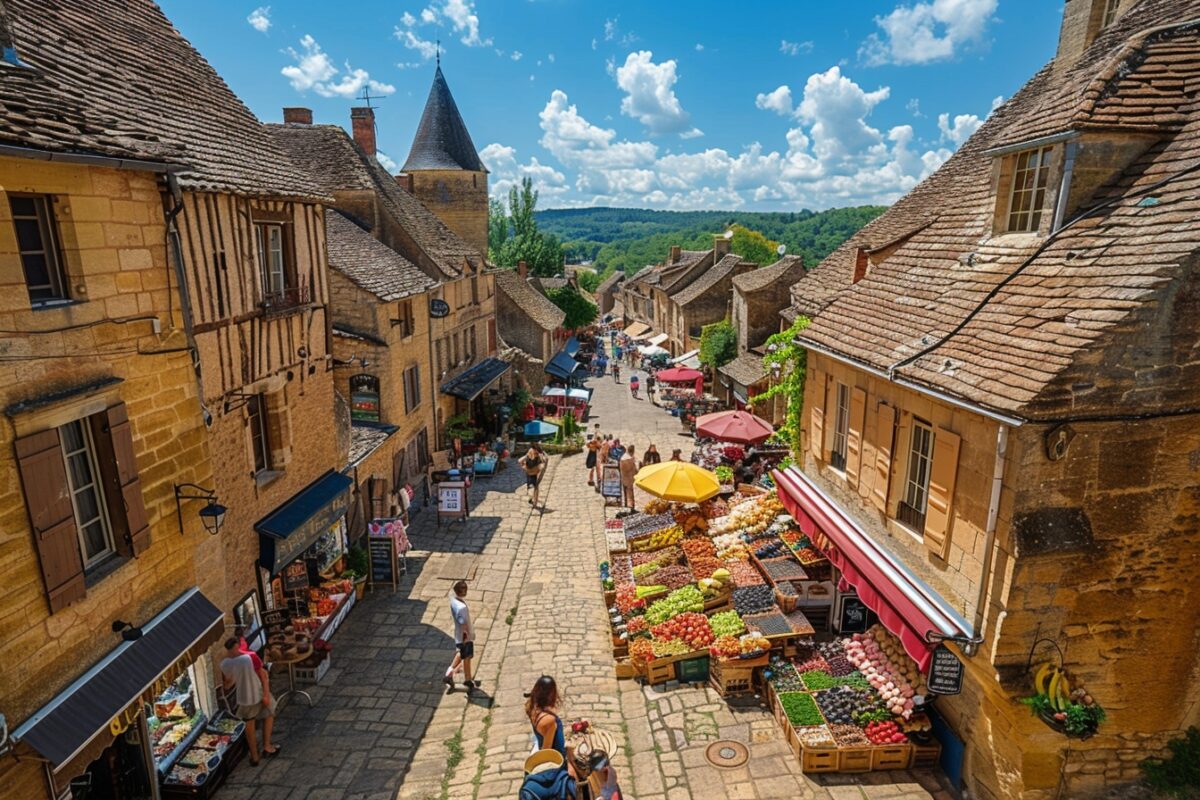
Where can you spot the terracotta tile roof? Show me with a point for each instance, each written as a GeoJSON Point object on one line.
{"type": "Point", "coordinates": [788, 268]}
{"type": "Point", "coordinates": [370, 263]}
{"type": "Point", "coordinates": [528, 299]}
{"type": "Point", "coordinates": [747, 369]}
{"type": "Point", "coordinates": [1012, 322]}
{"type": "Point", "coordinates": [338, 165]}
{"type": "Point", "coordinates": [710, 278]}
{"type": "Point", "coordinates": [442, 140]}
{"type": "Point", "coordinates": [120, 81]}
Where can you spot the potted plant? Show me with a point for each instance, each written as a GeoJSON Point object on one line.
{"type": "Point", "coordinates": [358, 566]}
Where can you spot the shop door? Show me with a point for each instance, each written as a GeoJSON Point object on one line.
{"type": "Point", "coordinates": [118, 774]}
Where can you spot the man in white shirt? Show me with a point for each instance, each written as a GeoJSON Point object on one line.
{"type": "Point", "coordinates": [254, 701]}
{"type": "Point", "coordinates": [464, 639]}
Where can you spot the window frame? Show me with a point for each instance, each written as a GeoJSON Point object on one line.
{"type": "Point", "coordinates": [1027, 189]}
{"type": "Point", "coordinates": [841, 428]}
{"type": "Point", "coordinates": [96, 487]}
{"type": "Point", "coordinates": [914, 501]}
{"type": "Point", "coordinates": [287, 265]}
{"type": "Point", "coordinates": [1110, 13]}
{"type": "Point", "coordinates": [412, 388]}
{"type": "Point", "coordinates": [51, 248]}
{"type": "Point", "coordinates": [260, 445]}
{"type": "Point", "coordinates": [405, 314]}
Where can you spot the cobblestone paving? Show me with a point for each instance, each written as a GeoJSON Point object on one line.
{"type": "Point", "coordinates": [383, 727]}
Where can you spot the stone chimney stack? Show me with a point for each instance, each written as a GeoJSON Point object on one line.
{"type": "Point", "coordinates": [721, 247]}
{"type": "Point", "coordinates": [522, 270]}
{"type": "Point", "coordinates": [362, 125]}
{"type": "Point", "coordinates": [1082, 22]}
{"type": "Point", "coordinates": [675, 254]}
{"type": "Point", "coordinates": [295, 115]}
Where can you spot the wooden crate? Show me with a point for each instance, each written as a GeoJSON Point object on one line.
{"type": "Point", "coordinates": [926, 756]}
{"type": "Point", "coordinates": [891, 756]}
{"type": "Point", "coordinates": [855, 759]}
{"type": "Point", "coordinates": [624, 670]}
{"type": "Point", "coordinates": [735, 676]}
{"type": "Point", "coordinates": [657, 672]}
{"type": "Point", "coordinates": [819, 760]}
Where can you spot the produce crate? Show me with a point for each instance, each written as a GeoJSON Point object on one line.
{"type": "Point", "coordinates": [819, 760]}
{"type": "Point", "coordinates": [659, 672]}
{"type": "Point", "coordinates": [308, 675]}
{"type": "Point", "coordinates": [891, 756]}
{"type": "Point", "coordinates": [610, 599]}
{"type": "Point", "coordinates": [926, 756]}
{"type": "Point", "coordinates": [624, 670]}
{"type": "Point", "coordinates": [735, 676]}
{"type": "Point", "coordinates": [718, 603]}
{"type": "Point", "coordinates": [621, 651]}
{"type": "Point", "coordinates": [694, 670]}
{"type": "Point", "coordinates": [855, 759]}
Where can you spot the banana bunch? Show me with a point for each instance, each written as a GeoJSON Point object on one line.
{"type": "Point", "coordinates": [1052, 681]}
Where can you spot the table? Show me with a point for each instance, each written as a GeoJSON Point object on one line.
{"type": "Point", "coordinates": [291, 671]}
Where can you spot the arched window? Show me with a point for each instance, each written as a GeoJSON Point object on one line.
{"type": "Point", "coordinates": [364, 397]}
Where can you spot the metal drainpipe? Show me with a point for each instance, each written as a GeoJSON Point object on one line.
{"type": "Point", "coordinates": [990, 543]}
{"type": "Point", "coordinates": [1064, 188]}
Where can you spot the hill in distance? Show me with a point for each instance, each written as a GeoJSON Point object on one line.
{"type": "Point", "coordinates": [630, 238]}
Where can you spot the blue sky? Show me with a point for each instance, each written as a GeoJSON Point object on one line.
{"type": "Point", "coordinates": [704, 104]}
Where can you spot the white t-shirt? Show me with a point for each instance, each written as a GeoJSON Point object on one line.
{"type": "Point", "coordinates": [462, 617]}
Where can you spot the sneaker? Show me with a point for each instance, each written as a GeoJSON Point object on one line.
{"type": "Point", "coordinates": [449, 681]}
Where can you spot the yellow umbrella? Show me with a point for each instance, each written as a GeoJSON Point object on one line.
{"type": "Point", "coordinates": [678, 481]}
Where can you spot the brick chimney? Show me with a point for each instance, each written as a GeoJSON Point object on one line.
{"type": "Point", "coordinates": [721, 247]}
{"type": "Point", "coordinates": [675, 250]}
{"type": "Point", "coordinates": [406, 182]}
{"type": "Point", "coordinates": [362, 125]}
{"type": "Point", "coordinates": [296, 115]}
{"type": "Point", "coordinates": [522, 270]}
{"type": "Point", "coordinates": [1082, 22]}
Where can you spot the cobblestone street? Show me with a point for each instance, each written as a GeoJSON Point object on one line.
{"type": "Point", "coordinates": [382, 726]}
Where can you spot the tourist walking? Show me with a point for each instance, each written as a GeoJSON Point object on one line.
{"type": "Point", "coordinates": [616, 451]}
{"type": "Point", "coordinates": [464, 639]}
{"type": "Point", "coordinates": [593, 449]}
{"type": "Point", "coordinates": [602, 456]}
{"type": "Point", "coordinates": [244, 672]}
{"type": "Point", "coordinates": [677, 454]}
{"type": "Point", "coordinates": [629, 467]}
{"type": "Point", "coordinates": [633, 385]}
{"type": "Point", "coordinates": [534, 464]}
{"type": "Point", "coordinates": [650, 381]}
{"type": "Point", "coordinates": [652, 456]}
{"type": "Point", "coordinates": [616, 371]}
{"type": "Point", "coordinates": [603, 779]}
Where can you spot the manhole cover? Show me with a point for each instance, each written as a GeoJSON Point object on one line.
{"type": "Point", "coordinates": [727, 754]}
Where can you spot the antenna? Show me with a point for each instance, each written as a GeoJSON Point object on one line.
{"type": "Point", "coordinates": [367, 97]}
{"type": "Point", "coordinates": [781, 249]}
{"type": "Point", "coordinates": [439, 52]}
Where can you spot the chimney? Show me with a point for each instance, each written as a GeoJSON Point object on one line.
{"type": "Point", "coordinates": [295, 115]}
{"type": "Point", "coordinates": [861, 263]}
{"type": "Point", "coordinates": [1082, 22]}
{"type": "Point", "coordinates": [406, 182]}
{"type": "Point", "coordinates": [675, 254]}
{"type": "Point", "coordinates": [362, 125]}
{"type": "Point", "coordinates": [720, 247]}
{"type": "Point", "coordinates": [522, 270]}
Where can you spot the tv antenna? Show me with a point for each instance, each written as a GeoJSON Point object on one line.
{"type": "Point", "coordinates": [367, 97]}
{"type": "Point", "coordinates": [438, 45]}
{"type": "Point", "coordinates": [781, 249]}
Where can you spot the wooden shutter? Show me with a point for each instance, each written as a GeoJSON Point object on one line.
{"type": "Point", "coordinates": [48, 498]}
{"type": "Point", "coordinates": [129, 514]}
{"type": "Point", "coordinates": [816, 417]}
{"type": "Point", "coordinates": [854, 435]}
{"type": "Point", "coordinates": [943, 470]}
{"type": "Point", "coordinates": [885, 430]}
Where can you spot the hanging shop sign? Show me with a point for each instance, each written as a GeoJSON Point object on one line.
{"type": "Point", "coordinates": [854, 616]}
{"type": "Point", "coordinates": [364, 397]}
{"type": "Point", "coordinates": [295, 576]}
{"type": "Point", "coordinates": [439, 308]}
{"type": "Point", "coordinates": [945, 672]}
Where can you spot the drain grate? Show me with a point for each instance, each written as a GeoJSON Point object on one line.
{"type": "Point", "coordinates": [727, 754]}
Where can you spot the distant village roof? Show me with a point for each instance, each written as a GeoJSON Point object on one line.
{"type": "Point", "coordinates": [747, 369]}
{"type": "Point", "coordinates": [610, 283]}
{"type": "Point", "coordinates": [544, 285]}
{"type": "Point", "coordinates": [121, 82]}
{"type": "Point", "coordinates": [442, 141]}
{"type": "Point", "coordinates": [1003, 320]}
{"type": "Point", "coordinates": [540, 310]}
{"type": "Point", "coordinates": [370, 263]}
{"type": "Point", "coordinates": [764, 277]}
{"type": "Point", "coordinates": [338, 165]}
{"type": "Point", "coordinates": [711, 277]}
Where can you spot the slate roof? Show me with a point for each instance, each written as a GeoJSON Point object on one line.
{"type": "Point", "coordinates": [1005, 321]}
{"type": "Point", "coordinates": [370, 263]}
{"type": "Point", "coordinates": [366, 438]}
{"type": "Point", "coordinates": [539, 309]}
{"type": "Point", "coordinates": [710, 278]}
{"type": "Point", "coordinates": [685, 270]}
{"type": "Point", "coordinates": [338, 164]}
{"type": "Point", "coordinates": [610, 283]}
{"type": "Point", "coordinates": [544, 285]}
{"type": "Point", "coordinates": [120, 81]}
{"type": "Point", "coordinates": [442, 140]}
{"type": "Point", "coordinates": [764, 277]}
{"type": "Point", "coordinates": [747, 369]}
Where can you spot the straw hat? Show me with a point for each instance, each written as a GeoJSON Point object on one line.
{"type": "Point", "coordinates": [595, 739]}
{"type": "Point", "coordinates": [542, 761]}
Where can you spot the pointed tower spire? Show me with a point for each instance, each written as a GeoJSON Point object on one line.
{"type": "Point", "coordinates": [442, 141]}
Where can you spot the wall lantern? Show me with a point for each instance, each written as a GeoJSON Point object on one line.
{"type": "Point", "coordinates": [212, 515]}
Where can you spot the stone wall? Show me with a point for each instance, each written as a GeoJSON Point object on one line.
{"type": "Point", "coordinates": [459, 199]}
{"type": "Point", "coordinates": [520, 330]}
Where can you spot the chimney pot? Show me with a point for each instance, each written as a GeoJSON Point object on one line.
{"type": "Point", "coordinates": [721, 246]}
{"type": "Point", "coordinates": [522, 270]}
{"type": "Point", "coordinates": [675, 254]}
{"type": "Point", "coordinates": [297, 115]}
{"type": "Point", "coordinates": [406, 182]}
{"type": "Point", "coordinates": [362, 125]}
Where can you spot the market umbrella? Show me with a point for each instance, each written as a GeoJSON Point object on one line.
{"type": "Point", "coordinates": [734, 426]}
{"type": "Point", "coordinates": [682, 375]}
{"type": "Point", "coordinates": [678, 481]}
{"type": "Point", "coordinates": [539, 428]}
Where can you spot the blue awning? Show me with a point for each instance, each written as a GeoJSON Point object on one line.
{"type": "Point", "coordinates": [471, 383]}
{"type": "Point", "coordinates": [571, 347]}
{"type": "Point", "coordinates": [563, 367]}
{"type": "Point", "coordinates": [293, 527]}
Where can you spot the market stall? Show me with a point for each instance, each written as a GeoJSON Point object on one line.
{"type": "Point", "coordinates": [684, 377]}
{"type": "Point", "coordinates": [560, 400]}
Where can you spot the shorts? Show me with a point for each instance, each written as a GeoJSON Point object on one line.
{"type": "Point", "coordinates": [466, 649]}
{"type": "Point", "coordinates": [531, 481]}
{"type": "Point", "coordinates": [257, 710]}
{"type": "Point", "coordinates": [591, 459]}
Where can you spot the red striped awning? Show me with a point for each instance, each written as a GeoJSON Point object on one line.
{"type": "Point", "coordinates": [903, 602]}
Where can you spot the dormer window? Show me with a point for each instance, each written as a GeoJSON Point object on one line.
{"type": "Point", "coordinates": [1110, 12]}
{"type": "Point", "coordinates": [1027, 195]}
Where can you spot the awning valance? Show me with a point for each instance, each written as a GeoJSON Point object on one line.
{"type": "Point", "coordinates": [637, 329]}
{"type": "Point", "coordinates": [292, 528]}
{"type": "Point", "coordinates": [904, 603]}
{"type": "Point", "coordinates": [571, 347]}
{"type": "Point", "coordinates": [471, 383]}
{"type": "Point", "coordinates": [563, 367]}
{"type": "Point", "coordinates": [658, 339]}
{"type": "Point", "coordinates": [71, 729]}
{"type": "Point", "coordinates": [690, 359]}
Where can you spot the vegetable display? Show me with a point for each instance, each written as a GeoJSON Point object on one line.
{"type": "Point", "coordinates": [677, 602]}
{"type": "Point", "coordinates": [727, 623]}
{"type": "Point", "coordinates": [801, 709]}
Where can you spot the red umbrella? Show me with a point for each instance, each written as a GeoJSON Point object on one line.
{"type": "Point", "coordinates": [682, 375]}
{"type": "Point", "coordinates": [734, 426]}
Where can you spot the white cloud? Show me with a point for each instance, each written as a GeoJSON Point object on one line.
{"type": "Point", "coordinates": [997, 101]}
{"type": "Point", "coordinates": [389, 164]}
{"type": "Point", "coordinates": [795, 48]}
{"type": "Point", "coordinates": [315, 70]}
{"type": "Point", "coordinates": [914, 107]}
{"type": "Point", "coordinates": [699, 47]}
{"type": "Point", "coordinates": [408, 64]}
{"type": "Point", "coordinates": [779, 101]}
{"type": "Point", "coordinates": [408, 19]}
{"type": "Point", "coordinates": [650, 94]}
{"type": "Point", "coordinates": [550, 58]}
{"type": "Point", "coordinates": [594, 42]}
{"type": "Point", "coordinates": [610, 29]}
{"type": "Point", "coordinates": [506, 172]}
{"type": "Point", "coordinates": [430, 16]}
{"type": "Point", "coordinates": [691, 133]}
{"type": "Point", "coordinates": [461, 14]}
{"type": "Point", "coordinates": [517, 55]}
{"type": "Point", "coordinates": [260, 19]}
{"type": "Point", "coordinates": [962, 129]}
{"type": "Point", "coordinates": [934, 30]}
{"type": "Point", "coordinates": [412, 41]}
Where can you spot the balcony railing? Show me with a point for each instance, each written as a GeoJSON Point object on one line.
{"type": "Point", "coordinates": [286, 301]}
{"type": "Point", "coordinates": [910, 517]}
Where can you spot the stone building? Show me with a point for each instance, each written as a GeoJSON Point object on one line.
{"type": "Point", "coordinates": [757, 297]}
{"type": "Point", "coordinates": [527, 320]}
{"type": "Point", "coordinates": [1010, 460]}
{"type": "Point", "coordinates": [608, 293]}
{"type": "Point", "coordinates": [166, 270]}
{"type": "Point", "coordinates": [705, 300]}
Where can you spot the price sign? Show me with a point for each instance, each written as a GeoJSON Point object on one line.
{"type": "Point", "coordinates": [384, 569]}
{"type": "Point", "coordinates": [295, 576]}
{"type": "Point", "coordinates": [945, 672]}
{"type": "Point", "coordinates": [276, 619]}
{"type": "Point", "coordinates": [452, 500]}
{"type": "Point", "coordinates": [610, 481]}
{"type": "Point", "coordinates": [854, 616]}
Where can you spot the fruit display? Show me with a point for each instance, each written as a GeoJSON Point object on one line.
{"type": "Point", "coordinates": [886, 732]}
{"type": "Point", "coordinates": [835, 657]}
{"type": "Point", "coordinates": [783, 569]}
{"type": "Point", "coordinates": [849, 735]}
{"type": "Point", "coordinates": [670, 647]}
{"type": "Point", "coordinates": [881, 659]}
{"type": "Point", "coordinates": [692, 521]}
{"type": "Point", "coordinates": [696, 547]}
{"type": "Point", "coordinates": [726, 623]}
{"type": "Point", "coordinates": [641, 650]}
{"type": "Point", "coordinates": [657, 539]}
{"type": "Point", "coordinates": [725, 647]}
{"type": "Point", "coordinates": [801, 709]}
{"type": "Point", "coordinates": [689, 627]}
{"type": "Point", "coordinates": [227, 726]}
{"type": "Point", "coordinates": [664, 557]}
{"type": "Point", "coordinates": [187, 776]}
{"type": "Point", "coordinates": [687, 598]}
{"type": "Point", "coordinates": [787, 589]}
{"type": "Point", "coordinates": [770, 549]}
{"type": "Point", "coordinates": [817, 736]}
{"type": "Point", "coordinates": [744, 574]}
{"type": "Point", "coordinates": [672, 577]}
{"type": "Point", "coordinates": [815, 663]}
{"type": "Point", "coordinates": [783, 676]}
{"type": "Point", "coordinates": [639, 525]}
{"type": "Point", "coordinates": [1072, 710]}
{"type": "Point", "coordinates": [714, 508]}
{"type": "Point", "coordinates": [168, 734]}
{"type": "Point", "coordinates": [752, 516]}
{"type": "Point", "coordinates": [847, 705]}
{"type": "Point", "coordinates": [651, 590]}
{"type": "Point", "coordinates": [628, 600]}
{"type": "Point", "coordinates": [753, 599]}
{"type": "Point", "coordinates": [657, 506]}
{"type": "Point", "coordinates": [637, 625]}
{"type": "Point", "coordinates": [772, 623]}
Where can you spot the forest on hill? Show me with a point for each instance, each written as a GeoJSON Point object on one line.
{"type": "Point", "coordinates": [630, 238]}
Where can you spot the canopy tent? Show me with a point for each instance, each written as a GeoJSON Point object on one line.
{"type": "Point", "coordinates": [734, 426]}
{"type": "Point", "coordinates": [574, 394]}
{"type": "Point", "coordinates": [571, 347]}
{"type": "Point", "coordinates": [904, 603]}
{"type": "Point", "coordinates": [678, 481]}
{"type": "Point", "coordinates": [637, 330]}
{"type": "Point", "coordinates": [564, 367]}
{"type": "Point", "coordinates": [471, 383]}
{"type": "Point", "coordinates": [538, 428]}
{"type": "Point", "coordinates": [682, 375]}
{"type": "Point", "coordinates": [690, 359]}
{"type": "Point", "coordinates": [658, 339]}
{"type": "Point", "coordinates": [650, 351]}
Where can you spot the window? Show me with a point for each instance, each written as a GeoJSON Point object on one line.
{"type": "Point", "coordinates": [277, 268]}
{"type": "Point", "coordinates": [256, 411]}
{"type": "Point", "coordinates": [37, 242]}
{"type": "Point", "coordinates": [916, 487]}
{"type": "Point", "coordinates": [412, 388]}
{"type": "Point", "coordinates": [1031, 171]}
{"type": "Point", "coordinates": [1110, 12]}
{"type": "Point", "coordinates": [437, 346]}
{"type": "Point", "coordinates": [364, 398]}
{"type": "Point", "coordinates": [475, 291]}
{"type": "Point", "coordinates": [454, 349]}
{"type": "Point", "coordinates": [423, 448]}
{"type": "Point", "coordinates": [404, 311]}
{"type": "Point", "coordinates": [83, 480]}
{"type": "Point", "coordinates": [837, 458]}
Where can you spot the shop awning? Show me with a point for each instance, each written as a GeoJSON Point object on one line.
{"type": "Point", "coordinates": [689, 359]}
{"type": "Point", "coordinates": [637, 330]}
{"type": "Point", "coordinates": [292, 528]}
{"type": "Point", "coordinates": [573, 394]}
{"type": "Point", "coordinates": [904, 603]}
{"type": "Point", "coordinates": [62, 730]}
{"type": "Point", "coordinates": [658, 339]}
{"type": "Point", "coordinates": [563, 367]}
{"type": "Point", "coordinates": [571, 347]}
{"type": "Point", "coordinates": [471, 383]}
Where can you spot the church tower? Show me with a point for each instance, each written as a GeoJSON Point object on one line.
{"type": "Point", "coordinates": [443, 169]}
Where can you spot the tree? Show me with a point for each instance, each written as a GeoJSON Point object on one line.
{"type": "Point", "coordinates": [580, 311]}
{"type": "Point", "coordinates": [753, 246]}
{"type": "Point", "coordinates": [590, 281]}
{"type": "Point", "coordinates": [542, 253]}
{"type": "Point", "coordinates": [792, 361]}
{"type": "Point", "coordinates": [497, 228]}
{"type": "Point", "coordinates": [718, 344]}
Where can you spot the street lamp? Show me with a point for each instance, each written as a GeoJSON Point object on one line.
{"type": "Point", "coordinates": [212, 516]}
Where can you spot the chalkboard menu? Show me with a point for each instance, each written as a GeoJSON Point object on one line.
{"type": "Point", "coordinates": [854, 616]}
{"type": "Point", "coordinates": [295, 576]}
{"type": "Point", "coordinates": [276, 619]}
{"type": "Point", "coordinates": [945, 672]}
{"type": "Point", "coordinates": [384, 569]}
{"type": "Point", "coordinates": [610, 481]}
